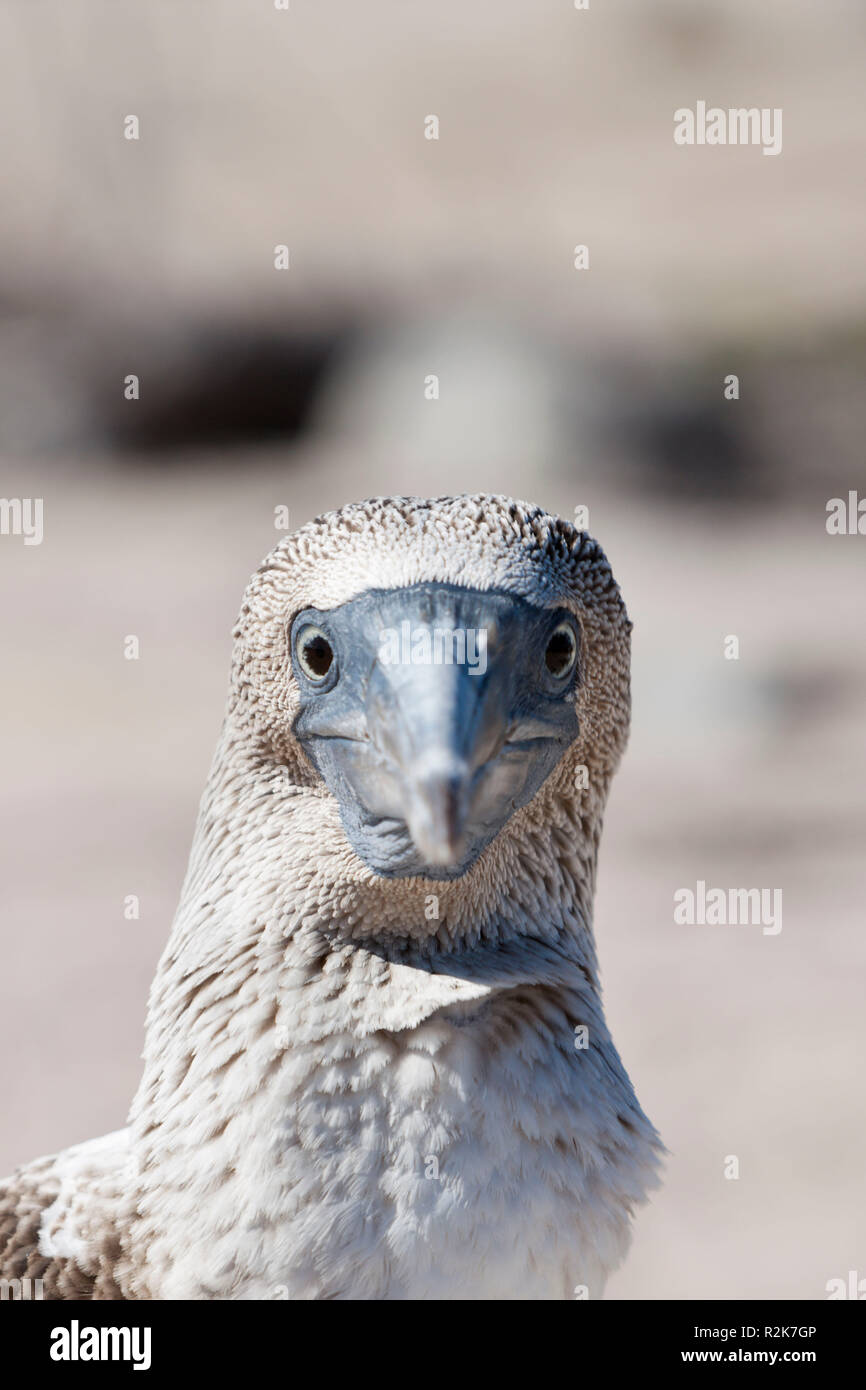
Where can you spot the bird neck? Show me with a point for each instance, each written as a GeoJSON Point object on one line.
{"type": "Point", "coordinates": [298, 995]}
{"type": "Point", "coordinates": [282, 933]}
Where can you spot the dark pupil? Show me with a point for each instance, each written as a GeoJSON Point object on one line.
{"type": "Point", "coordinates": [560, 650]}
{"type": "Point", "coordinates": [318, 655]}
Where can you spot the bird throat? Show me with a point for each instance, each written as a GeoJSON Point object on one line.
{"type": "Point", "coordinates": [304, 1007]}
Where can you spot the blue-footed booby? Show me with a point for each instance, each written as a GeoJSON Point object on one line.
{"type": "Point", "coordinates": [376, 1062]}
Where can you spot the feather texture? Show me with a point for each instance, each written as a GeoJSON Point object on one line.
{"type": "Point", "coordinates": [357, 1087]}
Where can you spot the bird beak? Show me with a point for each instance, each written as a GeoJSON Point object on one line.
{"type": "Point", "coordinates": [435, 728]}
{"type": "Point", "coordinates": [436, 810]}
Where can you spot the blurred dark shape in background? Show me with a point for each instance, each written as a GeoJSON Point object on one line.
{"type": "Point", "coordinates": [215, 389]}
{"type": "Point", "coordinates": [695, 449]}
{"type": "Point", "coordinates": [228, 385]}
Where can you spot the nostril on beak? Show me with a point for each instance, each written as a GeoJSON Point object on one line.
{"type": "Point", "coordinates": [437, 811]}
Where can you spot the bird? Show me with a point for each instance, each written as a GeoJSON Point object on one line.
{"type": "Point", "coordinates": [376, 1061]}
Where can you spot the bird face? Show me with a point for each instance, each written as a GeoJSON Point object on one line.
{"type": "Point", "coordinates": [440, 686]}
{"type": "Point", "coordinates": [433, 712]}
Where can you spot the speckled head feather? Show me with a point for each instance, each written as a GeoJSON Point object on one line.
{"type": "Point", "coordinates": [359, 1085]}
{"type": "Point", "coordinates": [483, 543]}
{"type": "Point", "coordinates": [387, 543]}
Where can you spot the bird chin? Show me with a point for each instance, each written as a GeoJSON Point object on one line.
{"type": "Point", "coordinates": [387, 848]}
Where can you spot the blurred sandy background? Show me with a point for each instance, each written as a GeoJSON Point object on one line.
{"type": "Point", "coordinates": [306, 389]}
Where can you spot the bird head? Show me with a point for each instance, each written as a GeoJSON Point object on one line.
{"type": "Point", "coordinates": [446, 674]}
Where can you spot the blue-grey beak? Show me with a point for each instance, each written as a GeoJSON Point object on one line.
{"type": "Point", "coordinates": [436, 727]}
{"type": "Point", "coordinates": [433, 713]}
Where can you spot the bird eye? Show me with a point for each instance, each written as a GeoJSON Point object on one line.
{"type": "Point", "coordinates": [561, 653]}
{"type": "Point", "coordinates": [314, 652]}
